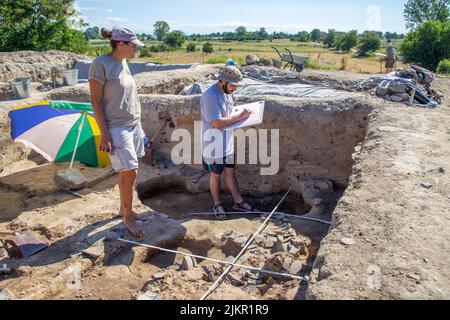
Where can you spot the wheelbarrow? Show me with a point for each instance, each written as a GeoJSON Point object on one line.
{"type": "Point", "coordinates": [297, 63]}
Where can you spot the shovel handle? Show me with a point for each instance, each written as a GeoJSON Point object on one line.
{"type": "Point", "coordinates": [158, 132]}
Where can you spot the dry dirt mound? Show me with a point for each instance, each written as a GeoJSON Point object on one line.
{"type": "Point", "coordinates": [34, 64]}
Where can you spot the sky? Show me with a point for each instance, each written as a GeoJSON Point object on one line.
{"type": "Point", "coordinates": [207, 16]}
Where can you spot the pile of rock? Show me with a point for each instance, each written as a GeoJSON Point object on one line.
{"type": "Point", "coordinates": [255, 60]}
{"type": "Point", "coordinates": [395, 91]}
{"type": "Point", "coordinates": [410, 85]}
{"type": "Point", "coordinates": [36, 65]}
{"type": "Point", "coordinates": [5, 91]}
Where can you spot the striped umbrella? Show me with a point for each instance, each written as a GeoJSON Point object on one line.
{"type": "Point", "coordinates": [61, 131]}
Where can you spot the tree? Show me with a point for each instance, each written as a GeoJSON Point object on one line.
{"type": "Point", "coordinates": [144, 52]}
{"type": "Point", "coordinates": [261, 34]}
{"type": "Point", "coordinates": [379, 34]}
{"type": "Point", "coordinates": [347, 41]}
{"type": "Point", "coordinates": [241, 33]}
{"type": "Point", "coordinates": [391, 36]}
{"type": "Point", "coordinates": [208, 48]}
{"type": "Point", "coordinates": [330, 38]}
{"type": "Point", "coordinates": [427, 45]}
{"type": "Point", "coordinates": [175, 39]}
{"type": "Point", "coordinates": [315, 35]}
{"type": "Point", "coordinates": [92, 33]}
{"type": "Point", "coordinates": [162, 28]}
{"type": "Point", "coordinates": [417, 12]}
{"type": "Point", "coordinates": [368, 43]}
{"type": "Point", "coordinates": [303, 36]}
{"type": "Point", "coordinates": [40, 25]}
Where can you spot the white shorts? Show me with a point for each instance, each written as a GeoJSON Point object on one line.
{"type": "Point", "coordinates": [127, 147]}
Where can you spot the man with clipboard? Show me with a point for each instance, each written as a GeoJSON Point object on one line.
{"type": "Point", "coordinates": [218, 143]}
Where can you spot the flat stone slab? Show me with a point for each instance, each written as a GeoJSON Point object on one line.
{"type": "Point", "coordinates": [159, 231]}
{"type": "Point", "coordinates": [69, 179]}
{"type": "Point", "coordinates": [40, 180]}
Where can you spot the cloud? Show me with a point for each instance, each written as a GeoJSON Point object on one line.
{"type": "Point", "coordinates": [117, 20]}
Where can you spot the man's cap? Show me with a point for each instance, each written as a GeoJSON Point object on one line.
{"type": "Point", "coordinates": [124, 34]}
{"type": "Point", "coordinates": [230, 74]}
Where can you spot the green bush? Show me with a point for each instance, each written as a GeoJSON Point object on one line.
{"type": "Point", "coordinates": [368, 43]}
{"type": "Point", "coordinates": [191, 47]}
{"type": "Point", "coordinates": [175, 39]}
{"type": "Point", "coordinates": [346, 41]}
{"type": "Point", "coordinates": [95, 51]}
{"type": "Point", "coordinates": [208, 48]}
{"type": "Point", "coordinates": [427, 45]}
{"type": "Point", "coordinates": [444, 67]}
{"type": "Point", "coordinates": [144, 52]}
{"type": "Point", "coordinates": [158, 48]}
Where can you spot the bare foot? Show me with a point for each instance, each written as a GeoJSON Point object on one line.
{"type": "Point", "coordinates": [133, 227]}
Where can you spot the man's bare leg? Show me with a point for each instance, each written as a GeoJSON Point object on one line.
{"type": "Point", "coordinates": [233, 187]}
{"type": "Point", "coordinates": [214, 185]}
{"type": "Point", "coordinates": [127, 180]}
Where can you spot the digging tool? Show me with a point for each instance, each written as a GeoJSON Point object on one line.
{"type": "Point", "coordinates": [25, 245]}
{"type": "Point", "coordinates": [148, 158]}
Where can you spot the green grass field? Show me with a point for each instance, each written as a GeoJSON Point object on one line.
{"type": "Point", "coordinates": [320, 57]}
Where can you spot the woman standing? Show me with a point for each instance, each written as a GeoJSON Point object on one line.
{"type": "Point", "coordinates": [117, 110]}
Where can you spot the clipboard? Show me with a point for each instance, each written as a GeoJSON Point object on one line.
{"type": "Point", "coordinates": [256, 118]}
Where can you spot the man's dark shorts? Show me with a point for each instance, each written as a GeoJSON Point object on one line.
{"type": "Point", "coordinates": [390, 63]}
{"type": "Point", "coordinates": [218, 168]}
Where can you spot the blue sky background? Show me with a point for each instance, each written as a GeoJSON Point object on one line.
{"type": "Point", "coordinates": [201, 16]}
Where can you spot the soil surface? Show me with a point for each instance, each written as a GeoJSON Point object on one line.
{"type": "Point", "coordinates": [387, 240]}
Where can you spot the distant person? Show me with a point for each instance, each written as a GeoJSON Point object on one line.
{"type": "Point", "coordinates": [216, 108]}
{"type": "Point", "coordinates": [117, 109]}
{"type": "Point", "coordinates": [390, 57]}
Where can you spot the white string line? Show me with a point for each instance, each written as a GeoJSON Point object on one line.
{"type": "Point", "coordinates": [282, 214]}
{"type": "Point", "coordinates": [213, 260]}
{"type": "Point", "coordinates": [218, 282]}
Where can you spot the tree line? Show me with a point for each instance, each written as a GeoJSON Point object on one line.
{"type": "Point", "coordinates": [366, 42]}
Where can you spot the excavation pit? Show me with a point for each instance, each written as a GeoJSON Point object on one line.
{"type": "Point", "coordinates": [318, 145]}
{"type": "Point", "coordinates": [329, 149]}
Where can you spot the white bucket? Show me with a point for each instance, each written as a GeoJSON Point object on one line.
{"type": "Point", "coordinates": [70, 77]}
{"type": "Point", "coordinates": [21, 87]}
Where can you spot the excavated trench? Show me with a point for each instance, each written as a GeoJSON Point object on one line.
{"type": "Point", "coordinates": [317, 140]}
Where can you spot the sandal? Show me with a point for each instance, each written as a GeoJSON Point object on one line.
{"type": "Point", "coordinates": [240, 207]}
{"type": "Point", "coordinates": [218, 214]}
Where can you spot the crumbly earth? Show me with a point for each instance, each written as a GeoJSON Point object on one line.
{"type": "Point", "coordinates": [399, 226]}
{"type": "Point", "coordinates": [387, 240]}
